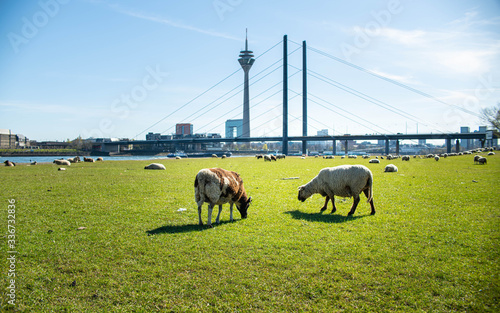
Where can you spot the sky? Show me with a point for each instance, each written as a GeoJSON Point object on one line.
{"type": "Point", "coordinates": [106, 68]}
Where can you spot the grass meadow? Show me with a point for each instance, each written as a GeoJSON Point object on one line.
{"type": "Point", "coordinates": [432, 246]}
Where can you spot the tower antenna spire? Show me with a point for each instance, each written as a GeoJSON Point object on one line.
{"type": "Point", "coordinates": [246, 39]}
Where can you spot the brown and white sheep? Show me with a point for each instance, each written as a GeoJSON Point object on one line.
{"type": "Point", "coordinates": [343, 181]}
{"type": "Point", "coordinates": [91, 160]}
{"type": "Point", "coordinates": [9, 163]}
{"type": "Point", "coordinates": [217, 186]}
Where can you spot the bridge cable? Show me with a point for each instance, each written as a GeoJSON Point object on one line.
{"type": "Point", "coordinates": [392, 81]}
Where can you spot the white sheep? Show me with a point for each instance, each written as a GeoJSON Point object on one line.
{"type": "Point", "coordinates": [391, 168]}
{"type": "Point", "coordinates": [374, 161]}
{"type": "Point", "coordinates": [436, 157]}
{"type": "Point", "coordinates": [405, 158]}
{"type": "Point", "coordinates": [343, 181]}
{"type": "Point", "coordinates": [74, 160]}
{"type": "Point", "coordinates": [155, 166]}
{"type": "Point", "coordinates": [62, 162]}
{"type": "Point", "coordinates": [482, 160]}
{"type": "Point", "coordinates": [99, 159]}
{"type": "Point", "coordinates": [267, 157]}
{"type": "Point", "coordinates": [217, 186]}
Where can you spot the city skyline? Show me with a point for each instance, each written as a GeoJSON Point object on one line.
{"type": "Point", "coordinates": [101, 69]}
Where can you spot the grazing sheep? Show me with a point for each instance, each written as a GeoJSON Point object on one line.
{"type": "Point", "coordinates": [476, 158]}
{"type": "Point", "coordinates": [155, 166]}
{"type": "Point", "coordinates": [99, 159]}
{"type": "Point", "coordinates": [217, 186]}
{"type": "Point", "coordinates": [273, 157]}
{"type": "Point", "coordinates": [280, 156]}
{"type": "Point", "coordinates": [374, 161]}
{"type": "Point", "coordinates": [436, 157]}
{"type": "Point", "coordinates": [223, 156]}
{"type": "Point", "coordinates": [214, 156]}
{"type": "Point", "coordinates": [481, 160]}
{"type": "Point", "coordinates": [259, 156]}
{"type": "Point", "coordinates": [34, 163]}
{"type": "Point", "coordinates": [62, 162]}
{"type": "Point", "coordinates": [405, 158]}
{"type": "Point", "coordinates": [178, 158]}
{"type": "Point", "coordinates": [267, 157]}
{"type": "Point", "coordinates": [491, 153]}
{"type": "Point", "coordinates": [91, 160]}
{"type": "Point", "coordinates": [74, 159]}
{"type": "Point", "coordinates": [391, 168]}
{"type": "Point", "coordinates": [9, 163]}
{"type": "Point", "coordinates": [343, 181]}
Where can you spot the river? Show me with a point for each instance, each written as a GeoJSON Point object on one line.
{"type": "Point", "coordinates": [50, 159]}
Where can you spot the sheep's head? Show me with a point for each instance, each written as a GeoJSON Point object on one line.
{"type": "Point", "coordinates": [243, 207]}
{"type": "Point", "coordinates": [303, 193]}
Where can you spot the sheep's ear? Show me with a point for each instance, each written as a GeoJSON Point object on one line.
{"type": "Point", "coordinates": [300, 188]}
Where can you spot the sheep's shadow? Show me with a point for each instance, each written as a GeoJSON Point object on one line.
{"type": "Point", "coordinates": [175, 229]}
{"type": "Point", "coordinates": [323, 217]}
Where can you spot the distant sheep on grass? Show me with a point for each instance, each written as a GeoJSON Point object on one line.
{"type": "Point", "coordinates": [481, 160]}
{"type": "Point", "coordinates": [62, 162]}
{"type": "Point", "coordinates": [391, 168]}
{"type": "Point", "coordinates": [343, 181]}
{"type": "Point", "coordinates": [155, 166]}
{"type": "Point", "coordinates": [374, 161]}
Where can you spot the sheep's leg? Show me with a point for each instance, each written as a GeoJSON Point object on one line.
{"type": "Point", "coordinates": [326, 204]}
{"type": "Point", "coordinates": [218, 215]}
{"type": "Point", "coordinates": [371, 202]}
{"type": "Point", "coordinates": [333, 204]}
{"type": "Point", "coordinates": [231, 212]}
{"type": "Point", "coordinates": [210, 208]}
{"type": "Point", "coordinates": [354, 205]}
{"type": "Point", "coordinates": [199, 215]}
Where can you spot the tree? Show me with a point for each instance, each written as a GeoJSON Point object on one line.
{"type": "Point", "coordinates": [492, 116]}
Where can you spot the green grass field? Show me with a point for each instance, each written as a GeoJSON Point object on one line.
{"type": "Point", "coordinates": [433, 245]}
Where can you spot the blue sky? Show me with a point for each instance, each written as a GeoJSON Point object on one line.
{"type": "Point", "coordinates": [104, 68]}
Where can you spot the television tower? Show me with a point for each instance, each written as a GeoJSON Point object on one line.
{"type": "Point", "coordinates": [246, 61]}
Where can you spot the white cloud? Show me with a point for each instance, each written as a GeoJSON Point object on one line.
{"type": "Point", "coordinates": [165, 21]}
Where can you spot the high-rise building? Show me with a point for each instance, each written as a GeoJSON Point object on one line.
{"type": "Point", "coordinates": [184, 129]}
{"type": "Point", "coordinates": [246, 61]}
{"type": "Point", "coordinates": [234, 128]}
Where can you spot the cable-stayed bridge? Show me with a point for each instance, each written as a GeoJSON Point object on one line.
{"type": "Point", "coordinates": [267, 103]}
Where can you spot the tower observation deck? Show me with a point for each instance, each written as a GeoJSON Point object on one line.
{"type": "Point", "coordinates": [246, 61]}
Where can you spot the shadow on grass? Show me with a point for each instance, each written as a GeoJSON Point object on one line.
{"type": "Point", "coordinates": [175, 229]}
{"type": "Point", "coordinates": [325, 218]}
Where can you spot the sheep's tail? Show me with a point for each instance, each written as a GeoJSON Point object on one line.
{"type": "Point", "coordinates": [370, 190]}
